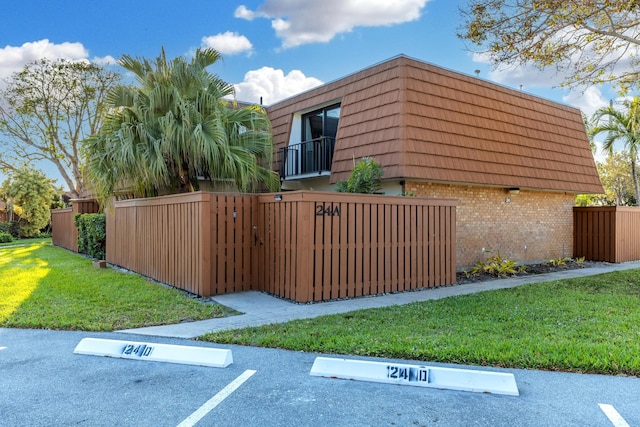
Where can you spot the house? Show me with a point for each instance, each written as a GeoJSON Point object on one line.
{"type": "Point", "coordinates": [512, 160]}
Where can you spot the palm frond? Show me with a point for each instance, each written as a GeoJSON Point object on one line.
{"type": "Point", "coordinates": [175, 123]}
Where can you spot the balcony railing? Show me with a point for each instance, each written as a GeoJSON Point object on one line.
{"type": "Point", "coordinates": [309, 157]}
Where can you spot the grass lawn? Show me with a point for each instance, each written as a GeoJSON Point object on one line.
{"type": "Point", "coordinates": [42, 286]}
{"type": "Point", "coordinates": [29, 241]}
{"type": "Point", "coordinates": [589, 324]}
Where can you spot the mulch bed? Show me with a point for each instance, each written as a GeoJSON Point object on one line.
{"type": "Point", "coordinates": [542, 268]}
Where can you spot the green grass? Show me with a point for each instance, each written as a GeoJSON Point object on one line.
{"type": "Point", "coordinates": [590, 324]}
{"type": "Point", "coordinates": [42, 286]}
{"type": "Point", "coordinates": [29, 241]}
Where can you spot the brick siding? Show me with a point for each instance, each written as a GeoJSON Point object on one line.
{"type": "Point", "coordinates": [532, 226]}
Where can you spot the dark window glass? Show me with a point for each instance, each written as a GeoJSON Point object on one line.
{"type": "Point", "coordinates": [321, 123]}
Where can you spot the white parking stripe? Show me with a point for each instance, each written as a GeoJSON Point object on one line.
{"type": "Point", "coordinates": [3, 348]}
{"type": "Point", "coordinates": [613, 415]}
{"type": "Point", "coordinates": [216, 400]}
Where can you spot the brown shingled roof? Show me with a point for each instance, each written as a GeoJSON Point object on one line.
{"type": "Point", "coordinates": [423, 122]}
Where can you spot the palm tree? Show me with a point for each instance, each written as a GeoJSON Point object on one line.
{"type": "Point", "coordinates": [158, 138]}
{"type": "Point", "coordinates": [622, 126]}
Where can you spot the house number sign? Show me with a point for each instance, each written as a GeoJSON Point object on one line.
{"type": "Point", "coordinates": [322, 210]}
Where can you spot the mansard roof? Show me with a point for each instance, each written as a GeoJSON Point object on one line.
{"type": "Point", "coordinates": [423, 122]}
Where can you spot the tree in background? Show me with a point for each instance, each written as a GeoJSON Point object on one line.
{"type": "Point", "coordinates": [30, 194]}
{"type": "Point", "coordinates": [366, 177]}
{"type": "Point", "coordinates": [615, 175]}
{"type": "Point", "coordinates": [590, 41]}
{"type": "Point", "coordinates": [623, 127]}
{"type": "Point", "coordinates": [617, 180]}
{"type": "Point", "coordinates": [175, 127]}
{"type": "Point", "coordinates": [47, 110]}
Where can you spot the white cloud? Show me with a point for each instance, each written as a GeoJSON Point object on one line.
{"type": "Point", "coordinates": [299, 22]}
{"type": "Point", "coordinates": [244, 13]}
{"type": "Point", "coordinates": [618, 61]}
{"type": "Point", "coordinates": [14, 58]}
{"type": "Point", "coordinates": [228, 43]}
{"type": "Point", "coordinates": [591, 99]}
{"type": "Point", "coordinates": [587, 100]}
{"type": "Point", "coordinates": [514, 76]}
{"type": "Point", "coordinates": [272, 85]}
{"type": "Point", "coordinates": [104, 60]}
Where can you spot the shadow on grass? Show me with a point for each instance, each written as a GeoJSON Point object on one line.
{"type": "Point", "coordinates": [49, 287]}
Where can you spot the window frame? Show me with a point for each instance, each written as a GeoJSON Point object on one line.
{"type": "Point", "coordinates": [323, 111]}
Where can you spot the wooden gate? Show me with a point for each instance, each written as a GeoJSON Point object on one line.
{"type": "Point", "coordinates": [322, 246]}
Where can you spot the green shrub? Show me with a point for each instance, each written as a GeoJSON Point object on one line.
{"type": "Point", "coordinates": [31, 192]}
{"type": "Point", "coordinates": [92, 234]}
{"type": "Point", "coordinates": [497, 266]}
{"type": "Point", "coordinates": [11, 227]}
{"type": "Point", "coordinates": [5, 237]}
{"type": "Point", "coordinates": [366, 178]}
{"type": "Point", "coordinates": [560, 262]}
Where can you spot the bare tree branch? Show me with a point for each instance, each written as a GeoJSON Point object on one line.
{"type": "Point", "coordinates": [48, 109]}
{"type": "Point", "coordinates": [591, 41]}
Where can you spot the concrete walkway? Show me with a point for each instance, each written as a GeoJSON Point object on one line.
{"type": "Point", "coordinates": [262, 309]}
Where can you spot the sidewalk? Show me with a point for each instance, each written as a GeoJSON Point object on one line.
{"type": "Point", "coordinates": [262, 309]}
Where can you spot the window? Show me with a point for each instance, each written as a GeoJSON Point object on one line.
{"type": "Point", "coordinates": [321, 123]}
{"type": "Point", "coordinates": [314, 153]}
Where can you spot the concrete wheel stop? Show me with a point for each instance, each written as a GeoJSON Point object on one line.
{"type": "Point", "coordinates": [154, 352]}
{"type": "Point", "coordinates": [417, 375]}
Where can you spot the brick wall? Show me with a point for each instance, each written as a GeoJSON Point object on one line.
{"type": "Point", "coordinates": [531, 226]}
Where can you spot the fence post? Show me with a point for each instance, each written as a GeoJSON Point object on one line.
{"type": "Point", "coordinates": [204, 279]}
{"type": "Point", "coordinates": [111, 243]}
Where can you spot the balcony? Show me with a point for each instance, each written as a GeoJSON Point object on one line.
{"type": "Point", "coordinates": [309, 158]}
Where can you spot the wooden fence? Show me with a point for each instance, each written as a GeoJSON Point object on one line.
{"type": "Point", "coordinates": [199, 242]}
{"type": "Point", "coordinates": [63, 231]}
{"type": "Point", "coordinates": [607, 233]}
{"type": "Point", "coordinates": [322, 246]}
{"type": "Point", "coordinates": [304, 246]}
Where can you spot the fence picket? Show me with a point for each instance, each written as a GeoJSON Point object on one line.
{"type": "Point", "coordinates": [606, 233]}
{"type": "Point", "coordinates": [308, 246]}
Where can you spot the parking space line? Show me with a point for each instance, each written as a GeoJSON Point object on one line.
{"type": "Point", "coordinates": [192, 419]}
{"type": "Point", "coordinates": [613, 415]}
{"type": "Point", "coordinates": [3, 348]}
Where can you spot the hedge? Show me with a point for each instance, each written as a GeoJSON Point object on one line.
{"type": "Point", "coordinates": [92, 234]}
{"type": "Point", "coordinates": [11, 227]}
{"type": "Point", "coordinates": [5, 237]}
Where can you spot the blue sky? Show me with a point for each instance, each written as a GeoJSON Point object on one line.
{"type": "Point", "coordinates": [271, 48]}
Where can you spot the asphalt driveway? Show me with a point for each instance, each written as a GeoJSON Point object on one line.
{"type": "Point", "coordinates": [45, 384]}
